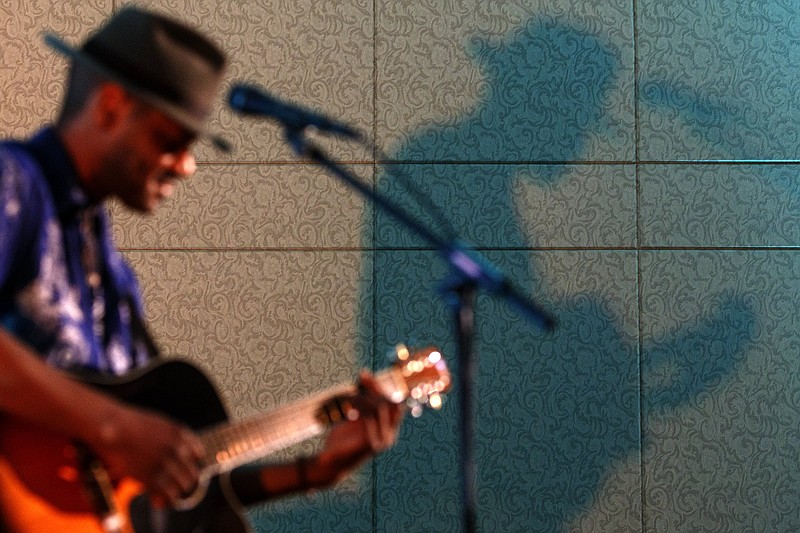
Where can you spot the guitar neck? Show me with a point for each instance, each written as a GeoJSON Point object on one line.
{"type": "Point", "coordinates": [235, 444]}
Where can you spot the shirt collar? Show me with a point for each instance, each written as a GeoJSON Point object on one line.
{"type": "Point", "coordinates": [59, 171]}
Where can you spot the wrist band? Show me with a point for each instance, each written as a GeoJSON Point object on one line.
{"type": "Point", "coordinates": [245, 484]}
{"type": "Point", "coordinates": [301, 465]}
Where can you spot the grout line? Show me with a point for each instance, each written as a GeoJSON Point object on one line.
{"type": "Point", "coordinates": [639, 277]}
{"type": "Point", "coordinates": [634, 162]}
{"type": "Point", "coordinates": [479, 249]}
{"type": "Point", "coordinates": [374, 222]}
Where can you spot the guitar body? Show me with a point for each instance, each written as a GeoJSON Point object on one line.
{"type": "Point", "coordinates": [41, 481]}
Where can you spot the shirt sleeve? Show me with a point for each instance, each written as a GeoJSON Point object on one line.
{"type": "Point", "coordinates": [20, 209]}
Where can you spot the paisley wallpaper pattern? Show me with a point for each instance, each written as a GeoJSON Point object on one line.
{"type": "Point", "coordinates": [630, 164]}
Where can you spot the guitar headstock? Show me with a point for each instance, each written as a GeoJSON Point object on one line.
{"type": "Point", "coordinates": [425, 375]}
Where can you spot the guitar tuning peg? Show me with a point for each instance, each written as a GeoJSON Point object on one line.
{"type": "Point", "coordinates": [435, 401]}
{"type": "Point", "coordinates": [415, 407]}
{"type": "Point", "coordinates": [401, 352]}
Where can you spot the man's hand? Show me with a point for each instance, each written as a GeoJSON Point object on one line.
{"type": "Point", "coordinates": [371, 431]}
{"type": "Point", "coordinates": [162, 455]}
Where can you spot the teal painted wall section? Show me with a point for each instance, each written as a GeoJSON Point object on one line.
{"type": "Point", "coordinates": [632, 165]}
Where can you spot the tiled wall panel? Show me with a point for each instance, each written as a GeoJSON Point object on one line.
{"type": "Point", "coordinates": [717, 81]}
{"type": "Point", "coordinates": [507, 81]}
{"type": "Point", "coordinates": [237, 313]}
{"type": "Point", "coordinates": [720, 390]}
{"type": "Point", "coordinates": [242, 206]}
{"type": "Point", "coordinates": [320, 53]}
{"type": "Point", "coordinates": [30, 76]}
{"type": "Point", "coordinates": [714, 205]}
{"type": "Point", "coordinates": [554, 412]}
{"type": "Point", "coordinates": [511, 205]}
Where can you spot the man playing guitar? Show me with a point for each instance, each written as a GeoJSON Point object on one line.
{"type": "Point", "coordinates": [139, 91]}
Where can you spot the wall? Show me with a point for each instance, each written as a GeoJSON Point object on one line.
{"type": "Point", "coordinates": [629, 164]}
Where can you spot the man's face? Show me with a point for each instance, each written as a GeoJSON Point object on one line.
{"type": "Point", "coordinates": [149, 152]}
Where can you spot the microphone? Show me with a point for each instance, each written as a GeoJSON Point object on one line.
{"type": "Point", "coordinates": [251, 100]}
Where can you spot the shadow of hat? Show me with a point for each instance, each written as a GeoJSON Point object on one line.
{"type": "Point", "coordinates": [159, 60]}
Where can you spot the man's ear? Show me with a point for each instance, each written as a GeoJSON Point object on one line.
{"type": "Point", "coordinates": [111, 105]}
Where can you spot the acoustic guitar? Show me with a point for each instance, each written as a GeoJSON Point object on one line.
{"type": "Point", "coordinates": [50, 484]}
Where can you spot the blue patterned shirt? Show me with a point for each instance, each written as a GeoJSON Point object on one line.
{"type": "Point", "coordinates": [64, 288]}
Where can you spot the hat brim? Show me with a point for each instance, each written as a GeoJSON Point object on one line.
{"type": "Point", "coordinates": [173, 111]}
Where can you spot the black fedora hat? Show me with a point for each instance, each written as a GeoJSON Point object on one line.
{"type": "Point", "coordinates": [159, 60]}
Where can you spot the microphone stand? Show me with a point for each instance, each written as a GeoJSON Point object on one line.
{"type": "Point", "coordinates": [469, 271]}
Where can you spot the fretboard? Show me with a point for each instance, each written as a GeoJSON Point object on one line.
{"type": "Point", "coordinates": [234, 444]}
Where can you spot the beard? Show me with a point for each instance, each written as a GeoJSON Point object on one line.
{"type": "Point", "coordinates": [129, 179]}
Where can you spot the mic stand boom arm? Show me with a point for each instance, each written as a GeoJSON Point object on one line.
{"type": "Point", "coordinates": [467, 264]}
{"type": "Point", "coordinates": [469, 271]}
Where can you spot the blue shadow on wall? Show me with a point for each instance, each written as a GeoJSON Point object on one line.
{"type": "Point", "coordinates": [543, 96]}
{"type": "Point", "coordinates": [556, 412]}
{"type": "Point", "coordinates": [544, 90]}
